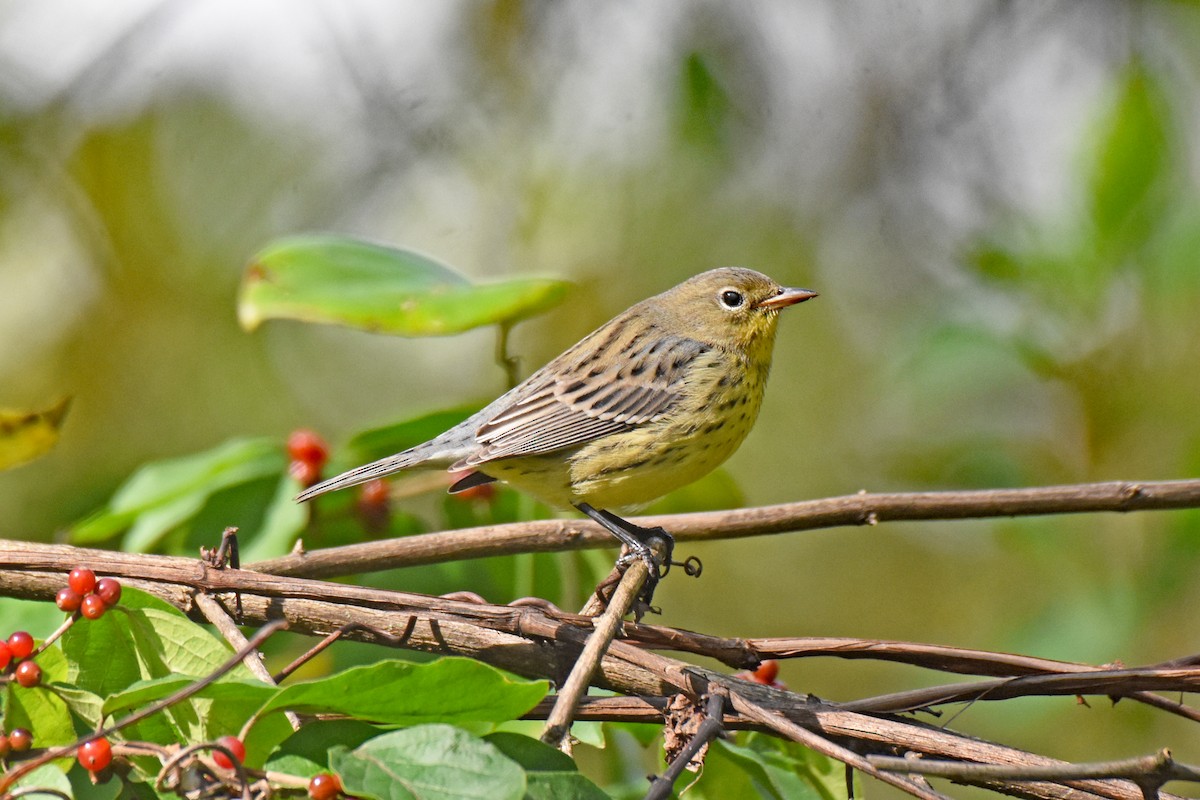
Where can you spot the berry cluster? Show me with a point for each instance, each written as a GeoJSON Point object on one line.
{"type": "Point", "coordinates": [88, 596]}
{"type": "Point", "coordinates": [308, 453]}
{"type": "Point", "coordinates": [17, 650]}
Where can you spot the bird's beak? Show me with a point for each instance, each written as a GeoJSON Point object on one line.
{"type": "Point", "coordinates": [787, 297]}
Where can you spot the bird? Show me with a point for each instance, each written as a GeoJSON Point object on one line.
{"type": "Point", "coordinates": [648, 402]}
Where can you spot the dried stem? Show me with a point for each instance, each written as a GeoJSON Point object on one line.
{"type": "Point", "coordinates": [858, 509]}
{"type": "Point", "coordinates": [558, 725]}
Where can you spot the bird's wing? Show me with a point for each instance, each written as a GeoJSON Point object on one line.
{"type": "Point", "coordinates": [580, 404]}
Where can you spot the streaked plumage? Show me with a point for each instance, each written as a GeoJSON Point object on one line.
{"type": "Point", "coordinates": [649, 402]}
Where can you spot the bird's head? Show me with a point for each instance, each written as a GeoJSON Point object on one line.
{"type": "Point", "coordinates": [730, 306]}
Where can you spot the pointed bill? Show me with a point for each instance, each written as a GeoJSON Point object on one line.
{"type": "Point", "coordinates": [787, 297]}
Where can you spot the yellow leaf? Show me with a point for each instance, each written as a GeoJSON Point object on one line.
{"type": "Point", "coordinates": [26, 435]}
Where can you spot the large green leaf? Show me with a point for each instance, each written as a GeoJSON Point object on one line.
{"type": "Point", "coordinates": [429, 762]}
{"type": "Point", "coordinates": [379, 442]}
{"type": "Point", "coordinates": [342, 281]}
{"type": "Point", "coordinates": [785, 770]}
{"type": "Point", "coordinates": [403, 693]}
{"type": "Point", "coordinates": [163, 494]}
{"type": "Point", "coordinates": [306, 752]}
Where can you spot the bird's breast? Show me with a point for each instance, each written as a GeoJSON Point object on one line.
{"type": "Point", "coordinates": [718, 405]}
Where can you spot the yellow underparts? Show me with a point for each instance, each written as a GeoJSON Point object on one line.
{"type": "Point", "coordinates": [720, 404]}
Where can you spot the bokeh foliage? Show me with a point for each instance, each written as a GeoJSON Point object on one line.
{"type": "Point", "coordinates": [998, 205]}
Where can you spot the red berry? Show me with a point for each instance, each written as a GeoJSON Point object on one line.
{"type": "Point", "coordinates": [21, 645]}
{"type": "Point", "coordinates": [5, 655]}
{"type": "Point", "coordinates": [82, 580]}
{"type": "Point", "coordinates": [766, 673]}
{"type": "Point", "coordinates": [306, 473]}
{"type": "Point", "coordinates": [68, 599]}
{"type": "Point", "coordinates": [93, 606]}
{"type": "Point", "coordinates": [233, 745]}
{"type": "Point", "coordinates": [28, 674]}
{"type": "Point", "coordinates": [109, 590]}
{"type": "Point", "coordinates": [5, 747]}
{"type": "Point", "coordinates": [324, 786]}
{"type": "Point", "coordinates": [95, 754]}
{"type": "Point", "coordinates": [20, 740]}
{"type": "Point", "coordinates": [304, 445]}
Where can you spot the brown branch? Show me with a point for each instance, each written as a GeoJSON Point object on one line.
{"type": "Point", "coordinates": [531, 640]}
{"type": "Point", "coordinates": [543, 536]}
{"type": "Point", "coordinates": [1155, 769]}
{"type": "Point", "coordinates": [558, 724]}
{"type": "Point", "coordinates": [1106, 682]}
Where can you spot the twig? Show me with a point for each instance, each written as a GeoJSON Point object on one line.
{"type": "Point", "coordinates": [1110, 682]}
{"type": "Point", "coordinates": [215, 613]}
{"type": "Point", "coordinates": [785, 727]}
{"type": "Point", "coordinates": [1157, 768]}
{"type": "Point", "coordinates": [515, 639]}
{"type": "Point", "coordinates": [558, 724]}
{"type": "Point", "coordinates": [544, 536]}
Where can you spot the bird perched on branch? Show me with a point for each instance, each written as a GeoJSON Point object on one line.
{"type": "Point", "coordinates": [652, 400]}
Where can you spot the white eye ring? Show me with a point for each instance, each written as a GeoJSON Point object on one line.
{"type": "Point", "coordinates": [731, 298]}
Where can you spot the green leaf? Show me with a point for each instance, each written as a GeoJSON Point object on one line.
{"type": "Point", "coordinates": [376, 443]}
{"type": "Point", "coordinates": [403, 693]}
{"type": "Point", "coordinates": [562, 786]}
{"type": "Point", "coordinates": [47, 776]}
{"type": "Point", "coordinates": [786, 770]}
{"type": "Point", "coordinates": [551, 774]}
{"type": "Point", "coordinates": [429, 762]}
{"type": "Point", "coordinates": [343, 281]}
{"type": "Point", "coordinates": [143, 638]}
{"type": "Point", "coordinates": [82, 787]}
{"type": "Point", "coordinates": [285, 519]}
{"type": "Point", "coordinates": [1131, 159]}
{"type": "Point", "coordinates": [306, 752]}
{"type": "Point", "coordinates": [163, 494]}
{"type": "Point", "coordinates": [704, 105]}
{"type": "Point", "coordinates": [532, 754]}
{"type": "Point", "coordinates": [40, 710]}
{"type": "Point", "coordinates": [83, 704]}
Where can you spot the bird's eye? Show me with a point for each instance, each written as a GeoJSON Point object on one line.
{"type": "Point", "coordinates": [731, 298]}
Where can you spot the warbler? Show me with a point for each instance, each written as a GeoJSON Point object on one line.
{"type": "Point", "coordinates": [652, 400]}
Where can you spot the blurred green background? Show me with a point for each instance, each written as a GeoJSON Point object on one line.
{"type": "Point", "coordinates": [997, 202]}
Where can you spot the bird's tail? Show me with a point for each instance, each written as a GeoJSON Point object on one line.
{"type": "Point", "coordinates": [418, 455]}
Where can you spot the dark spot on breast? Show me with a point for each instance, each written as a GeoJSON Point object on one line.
{"type": "Point", "coordinates": [713, 426]}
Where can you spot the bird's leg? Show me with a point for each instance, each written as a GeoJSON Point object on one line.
{"type": "Point", "coordinates": [635, 537]}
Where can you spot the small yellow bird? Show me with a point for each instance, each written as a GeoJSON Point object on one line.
{"type": "Point", "coordinates": [652, 400]}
